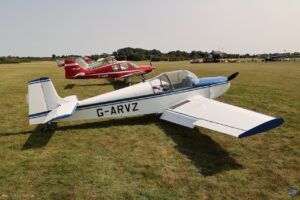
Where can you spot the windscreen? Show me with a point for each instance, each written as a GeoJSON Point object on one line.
{"type": "Point", "coordinates": [181, 79]}
{"type": "Point", "coordinates": [81, 62]}
{"type": "Point", "coordinates": [160, 84]}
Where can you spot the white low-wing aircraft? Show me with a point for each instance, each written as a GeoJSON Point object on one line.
{"type": "Point", "coordinates": [180, 96]}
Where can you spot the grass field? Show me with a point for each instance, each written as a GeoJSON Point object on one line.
{"type": "Point", "coordinates": [146, 158]}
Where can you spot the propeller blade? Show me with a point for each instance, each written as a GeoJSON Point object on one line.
{"type": "Point", "coordinates": [153, 72]}
{"type": "Point", "coordinates": [232, 76]}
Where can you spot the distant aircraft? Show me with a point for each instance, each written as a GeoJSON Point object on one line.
{"type": "Point", "coordinates": [109, 68]}
{"type": "Point", "coordinates": [275, 58]}
{"type": "Point", "coordinates": [180, 96]}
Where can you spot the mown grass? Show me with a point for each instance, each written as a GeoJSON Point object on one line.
{"type": "Point", "coordinates": [146, 158]}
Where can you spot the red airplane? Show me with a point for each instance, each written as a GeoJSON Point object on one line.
{"type": "Point", "coordinates": [109, 68]}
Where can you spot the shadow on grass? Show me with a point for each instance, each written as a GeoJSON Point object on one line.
{"type": "Point", "coordinates": [69, 86]}
{"type": "Point", "coordinates": [72, 85]}
{"type": "Point", "coordinates": [37, 137]}
{"type": "Point", "coordinates": [206, 155]}
{"type": "Point", "coordinates": [141, 120]}
{"type": "Point", "coordinates": [117, 84]}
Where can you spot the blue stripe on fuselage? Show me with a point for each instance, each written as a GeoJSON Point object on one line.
{"type": "Point", "coordinates": [148, 96]}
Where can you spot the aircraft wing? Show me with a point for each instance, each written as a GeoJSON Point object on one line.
{"type": "Point", "coordinates": [221, 117]}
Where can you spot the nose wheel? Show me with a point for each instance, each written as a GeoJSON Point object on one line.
{"type": "Point", "coordinates": [142, 77]}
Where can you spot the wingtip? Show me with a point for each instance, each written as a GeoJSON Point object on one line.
{"type": "Point", "coordinates": [39, 80]}
{"type": "Point", "coordinates": [263, 127]}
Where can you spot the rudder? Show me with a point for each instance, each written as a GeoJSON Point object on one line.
{"type": "Point", "coordinates": [74, 68]}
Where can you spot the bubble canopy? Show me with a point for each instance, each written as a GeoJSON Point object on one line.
{"type": "Point", "coordinates": [174, 80]}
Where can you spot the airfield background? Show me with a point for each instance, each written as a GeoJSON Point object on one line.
{"type": "Point", "coordinates": [144, 157]}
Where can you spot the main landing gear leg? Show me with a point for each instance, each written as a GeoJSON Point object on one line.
{"type": "Point", "coordinates": [49, 126]}
{"type": "Point", "coordinates": [128, 81]}
{"type": "Point", "coordinates": [142, 77]}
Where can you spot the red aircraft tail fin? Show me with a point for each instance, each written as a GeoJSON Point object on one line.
{"type": "Point", "coordinates": [73, 70]}
{"type": "Point", "coordinates": [60, 63]}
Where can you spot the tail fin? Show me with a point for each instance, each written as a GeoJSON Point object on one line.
{"type": "Point", "coordinates": [44, 103]}
{"type": "Point", "coordinates": [73, 69]}
{"type": "Point", "coordinates": [60, 63]}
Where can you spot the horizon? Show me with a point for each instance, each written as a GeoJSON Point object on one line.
{"type": "Point", "coordinates": [209, 52]}
{"type": "Point", "coordinates": [80, 28]}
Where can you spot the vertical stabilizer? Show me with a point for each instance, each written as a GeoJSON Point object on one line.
{"type": "Point", "coordinates": [42, 98]}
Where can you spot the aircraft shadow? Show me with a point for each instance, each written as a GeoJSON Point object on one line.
{"type": "Point", "coordinates": [144, 120]}
{"type": "Point", "coordinates": [116, 84]}
{"type": "Point", "coordinates": [69, 86]}
{"type": "Point", "coordinates": [206, 155]}
{"type": "Point", "coordinates": [37, 138]}
{"type": "Point", "coordinates": [72, 85]}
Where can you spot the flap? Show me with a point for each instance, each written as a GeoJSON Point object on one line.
{"type": "Point", "coordinates": [221, 117]}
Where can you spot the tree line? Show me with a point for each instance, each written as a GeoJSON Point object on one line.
{"type": "Point", "coordinates": [18, 59]}
{"type": "Point", "coordinates": [138, 54]}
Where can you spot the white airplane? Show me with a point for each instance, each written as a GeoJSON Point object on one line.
{"type": "Point", "coordinates": [180, 96]}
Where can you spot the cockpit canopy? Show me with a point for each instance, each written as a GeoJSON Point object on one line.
{"type": "Point", "coordinates": [106, 60]}
{"type": "Point", "coordinates": [172, 80]}
{"type": "Point", "coordinates": [93, 65]}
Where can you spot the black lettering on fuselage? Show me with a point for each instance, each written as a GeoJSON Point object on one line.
{"type": "Point", "coordinates": [113, 111]}
{"type": "Point", "coordinates": [100, 112]}
{"type": "Point", "coordinates": [127, 107]}
{"type": "Point", "coordinates": [134, 107]}
{"type": "Point", "coordinates": [120, 109]}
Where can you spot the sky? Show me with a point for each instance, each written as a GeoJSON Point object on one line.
{"type": "Point", "coordinates": [64, 27]}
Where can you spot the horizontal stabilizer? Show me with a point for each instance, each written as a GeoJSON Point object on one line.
{"type": "Point", "coordinates": [64, 110]}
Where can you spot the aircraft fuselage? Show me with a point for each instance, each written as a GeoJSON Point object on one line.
{"type": "Point", "coordinates": [124, 103]}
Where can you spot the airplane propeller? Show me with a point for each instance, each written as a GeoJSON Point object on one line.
{"type": "Point", "coordinates": [153, 71]}
{"type": "Point", "coordinates": [232, 76]}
